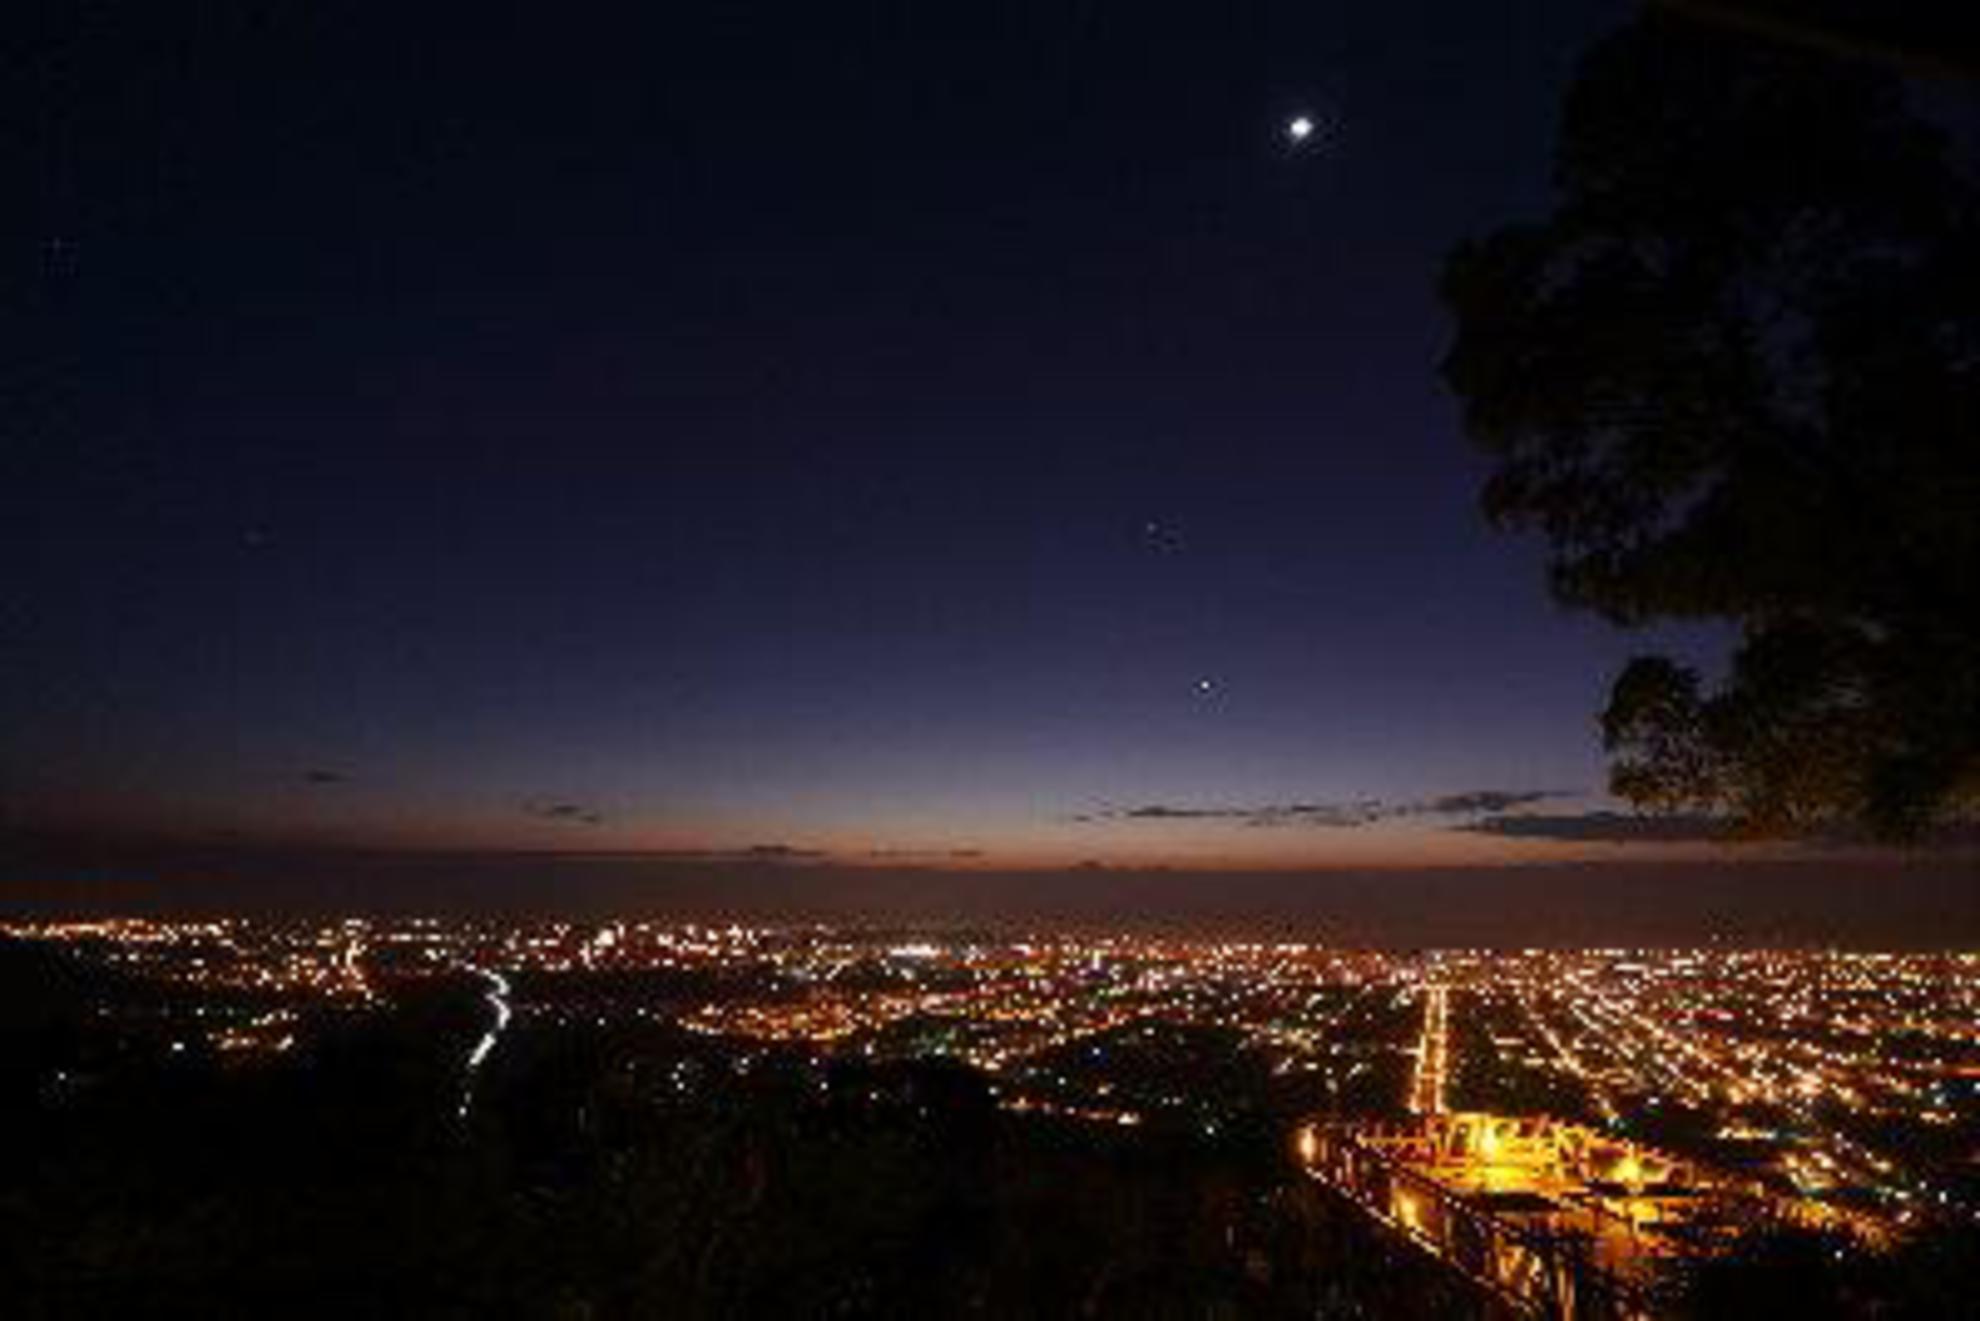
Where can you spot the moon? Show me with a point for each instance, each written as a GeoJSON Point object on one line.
{"type": "Point", "coordinates": [1299, 128]}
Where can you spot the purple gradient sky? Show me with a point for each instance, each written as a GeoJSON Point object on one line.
{"type": "Point", "coordinates": [465, 430]}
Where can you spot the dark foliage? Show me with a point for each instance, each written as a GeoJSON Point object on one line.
{"type": "Point", "coordinates": [1736, 375]}
{"type": "Point", "coordinates": [1787, 1271]}
{"type": "Point", "coordinates": [632, 1169]}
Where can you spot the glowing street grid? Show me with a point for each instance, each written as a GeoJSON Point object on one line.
{"type": "Point", "coordinates": [1847, 1078]}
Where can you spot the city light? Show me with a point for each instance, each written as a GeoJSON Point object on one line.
{"type": "Point", "coordinates": [1822, 1077]}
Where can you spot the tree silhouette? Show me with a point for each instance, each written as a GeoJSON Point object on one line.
{"type": "Point", "coordinates": [1736, 375]}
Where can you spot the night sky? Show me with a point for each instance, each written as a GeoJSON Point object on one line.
{"type": "Point", "coordinates": [963, 434]}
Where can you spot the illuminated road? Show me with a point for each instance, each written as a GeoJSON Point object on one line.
{"type": "Point", "coordinates": [498, 1004]}
{"type": "Point", "coordinates": [1426, 1090]}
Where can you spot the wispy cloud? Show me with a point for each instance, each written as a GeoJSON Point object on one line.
{"type": "Point", "coordinates": [320, 775]}
{"type": "Point", "coordinates": [923, 855]}
{"type": "Point", "coordinates": [761, 853]}
{"type": "Point", "coordinates": [1341, 815]}
{"type": "Point", "coordinates": [1612, 827]}
{"type": "Point", "coordinates": [779, 853]}
{"type": "Point", "coordinates": [557, 810]}
{"type": "Point", "coordinates": [1485, 800]}
{"type": "Point", "coordinates": [1603, 827]}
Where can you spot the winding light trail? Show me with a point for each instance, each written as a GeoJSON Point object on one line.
{"type": "Point", "coordinates": [498, 1002]}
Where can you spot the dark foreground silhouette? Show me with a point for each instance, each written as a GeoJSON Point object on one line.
{"type": "Point", "coordinates": [626, 1170]}
{"type": "Point", "coordinates": [622, 1167]}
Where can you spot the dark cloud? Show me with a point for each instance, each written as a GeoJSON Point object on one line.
{"type": "Point", "coordinates": [773, 853]}
{"type": "Point", "coordinates": [1685, 828]}
{"type": "Point", "coordinates": [1486, 800]}
{"type": "Point", "coordinates": [1331, 816]}
{"type": "Point", "coordinates": [922, 855]}
{"type": "Point", "coordinates": [1605, 827]}
{"type": "Point", "coordinates": [1271, 814]}
{"type": "Point", "coordinates": [317, 775]}
{"type": "Point", "coordinates": [576, 813]}
{"type": "Point", "coordinates": [1327, 816]}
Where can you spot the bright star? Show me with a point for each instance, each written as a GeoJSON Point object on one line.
{"type": "Point", "coordinates": [1300, 129]}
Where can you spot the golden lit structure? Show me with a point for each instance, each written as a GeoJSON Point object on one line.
{"type": "Point", "coordinates": [1554, 1219]}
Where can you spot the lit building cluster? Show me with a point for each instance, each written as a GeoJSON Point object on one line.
{"type": "Point", "coordinates": [1824, 1071]}
{"type": "Point", "coordinates": [1838, 1077]}
{"type": "Point", "coordinates": [1555, 1219]}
